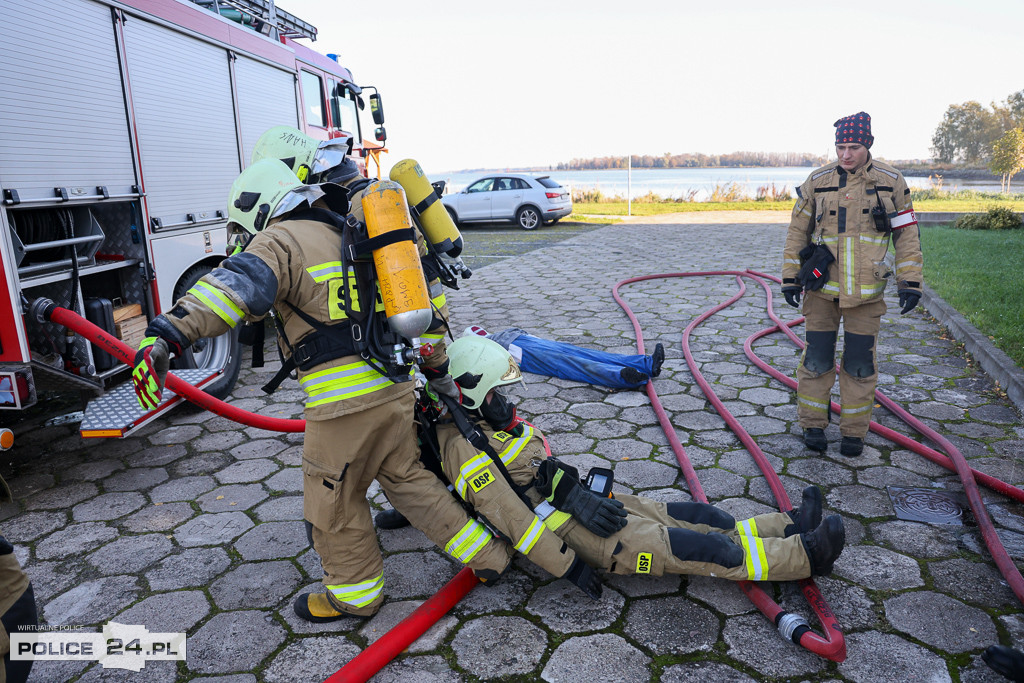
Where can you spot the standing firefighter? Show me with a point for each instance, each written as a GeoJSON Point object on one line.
{"type": "Point", "coordinates": [837, 251]}
{"type": "Point", "coordinates": [309, 262]}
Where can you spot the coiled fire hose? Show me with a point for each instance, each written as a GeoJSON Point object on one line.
{"type": "Point", "coordinates": [954, 461]}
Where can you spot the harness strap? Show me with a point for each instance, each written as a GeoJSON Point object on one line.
{"type": "Point", "coordinates": [427, 202]}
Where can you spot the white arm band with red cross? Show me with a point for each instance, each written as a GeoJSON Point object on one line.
{"type": "Point", "coordinates": [904, 219]}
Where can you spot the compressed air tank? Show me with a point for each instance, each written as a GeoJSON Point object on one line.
{"type": "Point", "coordinates": [433, 217]}
{"type": "Point", "coordinates": [402, 285]}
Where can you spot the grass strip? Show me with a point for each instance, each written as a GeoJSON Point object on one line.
{"type": "Point", "coordinates": [978, 272]}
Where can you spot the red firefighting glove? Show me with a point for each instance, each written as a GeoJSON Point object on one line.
{"type": "Point", "coordinates": [152, 361]}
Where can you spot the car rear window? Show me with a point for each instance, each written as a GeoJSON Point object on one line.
{"type": "Point", "coordinates": [547, 182]}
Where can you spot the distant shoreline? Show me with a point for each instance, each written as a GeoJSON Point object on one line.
{"type": "Point", "coordinates": [909, 171]}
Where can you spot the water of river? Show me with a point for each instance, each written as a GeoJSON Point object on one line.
{"type": "Point", "coordinates": [680, 182]}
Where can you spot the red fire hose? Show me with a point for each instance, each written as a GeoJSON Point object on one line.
{"type": "Point", "coordinates": [122, 352]}
{"type": "Point", "coordinates": [832, 646]}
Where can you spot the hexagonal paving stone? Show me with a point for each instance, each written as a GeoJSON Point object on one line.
{"type": "Point", "coordinates": [960, 629]}
{"type": "Point", "coordinates": [499, 646]}
{"type": "Point", "coordinates": [74, 540]}
{"type": "Point", "coordinates": [565, 608]}
{"type": "Point", "coordinates": [281, 508]}
{"type": "Point", "coordinates": [878, 568]}
{"type": "Point", "coordinates": [247, 471]}
{"type": "Point", "coordinates": [974, 582]}
{"type": "Point", "coordinates": [393, 612]}
{"type": "Point", "coordinates": [416, 574]}
{"type": "Point", "coordinates": [645, 474]}
{"type": "Point", "coordinates": [130, 554]}
{"type": "Point", "coordinates": [272, 540]}
{"type": "Point", "coordinates": [158, 517]}
{"type": "Point", "coordinates": [175, 435]}
{"type": "Point", "coordinates": [874, 656]}
{"type": "Point", "coordinates": [136, 479]}
{"type": "Point", "coordinates": [108, 506]}
{"type": "Point", "coordinates": [258, 448]}
{"type": "Point", "coordinates": [234, 641]}
{"type": "Point", "coordinates": [860, 500]}
{"type": "Point", "coordinates": [193, 567]}
{"type": "Point", "coordinates": [92, 602]}
{"type": "Point", "coordinates": [215, 529]}
{"type": "Point", "coordinates": [255, 584]}
{"type": "Point", "coordinates": [176, 612]}
{"type": "Point", "coordinates": [671, 625]}
{"type": "Point", "coordinates": [182, 488]}
{"type": "Point", "coordinates": [600, 658]}
{"type": "Point", "coordinates": [233, 497]}
{"type": "Point", "coordinates": [755, 642]}
{"type": "Point", "coordinates": [310, 659]}
{"type": "Point", "coordinates": [288, 480]}
{"type": "Point", "coordinates": [701, 672]}
{"type": "Point", "coordinates": [429, 669]}
{"type": "Point", "coordinates": [29, 526]}
{"type": "Point", "coordinates": [61, 497]}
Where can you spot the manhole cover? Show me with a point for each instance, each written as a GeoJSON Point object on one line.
{"type": "Point", "coordinates": [926, 505]}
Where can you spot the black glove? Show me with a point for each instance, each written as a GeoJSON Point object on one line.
{"type": "Point", "coordinates": [792, 294]}
{"type": "Point", "coordinates": [908, 300]}
{"type": "Point", "coordinates": [560, 485]}
{"type": "Point", "coordinates": [1005, 661]}
{"type": "Point", "coordinates": [440, 382]}
{"type": "Point", "coordinates": [584, 576]}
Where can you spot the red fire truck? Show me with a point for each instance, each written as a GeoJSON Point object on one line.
{"type": "Point", "coordinates": [122, 126]}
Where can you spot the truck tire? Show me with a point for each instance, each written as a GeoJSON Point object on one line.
{"type": "Point", "coordinates": [224, 352]}
{"type": "Point", "coordinates": [528, 218]}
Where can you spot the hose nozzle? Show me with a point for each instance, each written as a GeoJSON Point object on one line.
{"type": "Point", "coordinates": [40, 309]}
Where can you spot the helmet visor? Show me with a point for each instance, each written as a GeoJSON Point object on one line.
{"type": "Point", "coordinates": [330, 154]}
{"type": "Point", "coordinates": [295, 199]}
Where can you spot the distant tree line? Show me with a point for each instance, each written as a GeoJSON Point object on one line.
{"type": "Point", "coordinates": [698, 160]}
{"type": "Point", "coordinates": [968, 132]}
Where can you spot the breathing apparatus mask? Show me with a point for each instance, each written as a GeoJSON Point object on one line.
{"type": "Point", "coordinates": [500, 410]}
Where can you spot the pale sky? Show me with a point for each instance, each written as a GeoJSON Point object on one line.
{"type": "Point", "coordinates": [527, 83]}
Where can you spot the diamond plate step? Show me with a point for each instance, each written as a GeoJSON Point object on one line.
{"type": "Point", "coordinates": [117, 413]}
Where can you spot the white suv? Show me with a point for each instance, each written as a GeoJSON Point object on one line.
{"type": "Point", "coordinates": [526, 200]}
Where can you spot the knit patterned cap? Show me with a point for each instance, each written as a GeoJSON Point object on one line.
{"type": "Point", "coordinates": [855, 128]}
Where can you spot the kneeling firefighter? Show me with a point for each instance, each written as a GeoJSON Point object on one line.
{"type": "Point", "coordinates": [311, 262]}
{"type": "Point", "coordinates": [501, 467]}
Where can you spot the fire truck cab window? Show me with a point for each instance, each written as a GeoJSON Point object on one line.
{"type": "Point", "coordinates": [313, 96]}
{"type": "Point", "coordinates": [344, 115]}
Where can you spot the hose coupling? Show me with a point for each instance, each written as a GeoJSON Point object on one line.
{"type": "Point", "coordinates": [792, 626]}
{"type": "Point", "coordinates": [40, 309]}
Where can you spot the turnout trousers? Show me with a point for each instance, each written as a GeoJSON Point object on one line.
{"type": "Point", "coordinates": [342, 456]}
{"type": "Point", "coordinates": [858, 372]}
{"type": "Point", "coordinates": [693, 538]}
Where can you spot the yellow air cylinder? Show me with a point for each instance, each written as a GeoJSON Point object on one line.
{"type": "Point", "coordinates": [402, 285]}
{"type": "Point", "coordinates": [435, 220]}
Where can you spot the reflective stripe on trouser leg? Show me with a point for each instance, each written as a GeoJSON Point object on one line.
{"type": "Point", "coordinates": [356, 595]}
{"type": "Point", "coordinates": [753, 550]}
{"type": "Point", "coordinates": [814, 385]}
{"type": "Point", "coordinates": [772, 524]}
{"type": "Point", "coordinates": [856, 383]}
{"type": "Point", "coordinates": [464, 545]}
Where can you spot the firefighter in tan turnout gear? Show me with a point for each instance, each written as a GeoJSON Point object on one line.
{"type": "Point", "coordinates": [355, 370]}
{"type": "Point", "coordinates": [837, 255]}
{"type": "Point", "coordinates": [536, 502]}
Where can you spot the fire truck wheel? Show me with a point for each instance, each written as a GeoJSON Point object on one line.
{"type": "Point", "coordinates": [219, 352]}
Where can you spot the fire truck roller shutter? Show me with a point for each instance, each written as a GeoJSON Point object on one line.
{"type": "Point", "coordinates": [39, 150]}
{"type": "Point", "coordinates": [181, 89]}
{"type": "Point", "coordinates": [266, 98]}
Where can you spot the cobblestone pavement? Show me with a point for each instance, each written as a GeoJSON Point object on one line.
{"type": "Point", "coordinates": [194, 524]}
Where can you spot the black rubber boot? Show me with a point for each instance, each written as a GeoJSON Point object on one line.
{"type": "Point", "coordinates": [851, 446]}
{"type": "Point", "coordinates": [807, 517]}
{"type": "Point", "coordinates": [814, 438]}
{"type": "Point", "coordinates": [318, 608]}
{"type": "Point", "coordinates": [824, 545]}
{"type": "Point", "coordinates": [390, 519]}
{"type": "Point", "coordinates": [633, 376]}
{"type": "Point", "coordinates": [659, 359]}
{"type": "Point", "coordinates": [1005, 661]}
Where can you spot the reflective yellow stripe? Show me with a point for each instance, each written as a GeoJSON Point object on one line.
{"type": "Point", "coordinates": [326, 271]}
{"type": "Point", "coordinates": [432, 338]}
{"type": "Point", "coordinates": [345, 381]}
{"type": "Point", "coordinates": [858, 409]}
{"type": "Point", "coordinates": [848, 258]}
{"type": "Point", "coordinates": [868, 291]}
{"type": "Point", "coordinates": [467, 543]}
{"type": "Point", "coordinates": [513, 449]}
{"type": "Point", "coordinates": [358, 594]}
{"type": "Point", "coordinates": [904, 266]}
{"type": "Point", "coordinates": [439, 300]}
{"type": "Point", "coordinates": [874, 240]}
{"type": "Point", "coordinates": [552, 518]}
{"type": "Point", "coordinates": [753, 550]}
{"type": "Point", "coordinates": [530, 538]}
{"type": "Point", "coordinates": [832, 287]}
{"type": "Point", "coordinates": [468, 470]}
{"type": "Point", "coordinates": [218, 302]}
{"type": "Point", "coordinates": [812, 403]}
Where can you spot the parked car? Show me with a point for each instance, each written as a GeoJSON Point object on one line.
{"type": "Point", "coordinates": [523, 199]}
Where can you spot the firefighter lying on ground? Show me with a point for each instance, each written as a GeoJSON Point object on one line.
{"type": "Point", "coordinates": [359, 400]}
{"type": "Point", "coordinates": [499, 465]}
